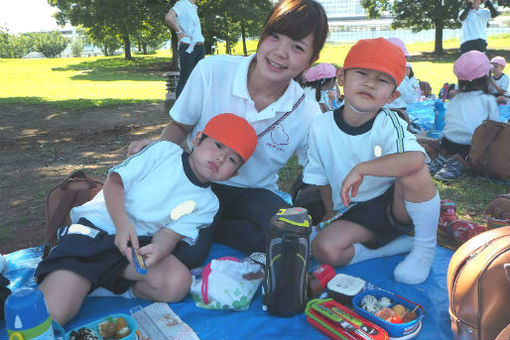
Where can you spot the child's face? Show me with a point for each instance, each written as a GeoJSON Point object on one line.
{"type": "Point", "coordinates": [368, 90]}
{"type": "Point", "coordinates": [497, 70]}
{"type": "Point", "coordinates": [212, 160]}
{"type": "Point", "coordinates": [476, 3]}
{"type": "Point", "coordinates": [280, 58]}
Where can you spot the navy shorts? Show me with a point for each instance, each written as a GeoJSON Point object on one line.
{"type": "Point", "coordinates": [376, 216]}
{"type": "Point", "coordinates": [91, 253]}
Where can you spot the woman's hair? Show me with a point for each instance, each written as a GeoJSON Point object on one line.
{"type": "Point", "coordinates": [477, 84]}
{"type": "Point", "coordinates": [297, 19]}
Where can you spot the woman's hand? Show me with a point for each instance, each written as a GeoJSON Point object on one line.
{"type": "Point", "coordinates": [137, 146]}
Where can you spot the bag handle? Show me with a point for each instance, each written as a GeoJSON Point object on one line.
{"type": "Point", "coordinates": [285, 115]}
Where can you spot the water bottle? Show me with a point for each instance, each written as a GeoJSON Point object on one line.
{"type": "Point", "coordinates": [439, 113]}
{"type": "Point", "coordinates": [27, 317]}
{"type": "Point", "coordinates": [444, 94]}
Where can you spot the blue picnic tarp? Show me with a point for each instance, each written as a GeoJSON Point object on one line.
{"type": "Point", "coordinates": [254, 323]}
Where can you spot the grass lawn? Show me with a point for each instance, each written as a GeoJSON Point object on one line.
{"type": "Point", "coordinates": [80, 83]}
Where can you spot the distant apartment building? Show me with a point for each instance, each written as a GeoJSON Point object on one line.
{"type": "Point", "coordinates": [343, 8]}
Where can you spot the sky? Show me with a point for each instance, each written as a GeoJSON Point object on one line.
{"type": "Point", "coordinates": [21, 16]}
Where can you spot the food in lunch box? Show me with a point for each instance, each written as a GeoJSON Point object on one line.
{"type": "Point", "coordinates": [83, 334]}
{"type": "Point", "coordinates": [113, 328]}
{"type": "Point", "coordinates": [399, 310]}
{"type": "Point", "coordinates": [384, 302]}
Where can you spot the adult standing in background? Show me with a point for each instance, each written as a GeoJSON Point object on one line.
{"type": "Point", "coordinates": [183, 18]}
{"type": "Point", "coordinates": [474, 25]}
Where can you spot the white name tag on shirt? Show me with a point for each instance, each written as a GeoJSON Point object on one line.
{"type": "Point", "coordinates": [82, 230]}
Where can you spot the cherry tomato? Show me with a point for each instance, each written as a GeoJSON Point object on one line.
{"type": "Point", "coordinates": [396, 319]}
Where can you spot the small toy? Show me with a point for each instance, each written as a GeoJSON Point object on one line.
{"type": "Point", "coordinates": [138, 262]}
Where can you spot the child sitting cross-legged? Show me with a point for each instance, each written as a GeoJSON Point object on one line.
{"type": "Point", "coordinates": [368, 166]}
{"type": "Point", "coordinates": [151, 202]}
{"type": "Point", "coordinates": [499, 81]}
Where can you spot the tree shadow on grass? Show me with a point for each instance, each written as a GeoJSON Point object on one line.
{"type": "Point", "coordinates": [72, 105]}
{"type": "Point", "coordinates": [116, 68]}
{"type": "Point", "coordinates": [450, 55]}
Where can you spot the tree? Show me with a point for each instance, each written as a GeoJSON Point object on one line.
{"type": "Point", "coordinates": [14, 46]}
{"type": "Point", "coordinates": [122, 18]}
{"type": "Point", "coordinates": [419, 15]}
{"type": "Point", "coordinates": [49, 44]}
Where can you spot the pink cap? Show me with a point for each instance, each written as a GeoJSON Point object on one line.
{"type": "Point", "coordinates": [472, 65]}
{"type": "Point", "coordinates": [399, 43]}
{"type": "Point", "coordinates": [320, 71]}
{"type": "Point", "coordinates": [499, 60]}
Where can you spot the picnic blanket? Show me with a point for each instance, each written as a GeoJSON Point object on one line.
{"type": "Point", "coordinates": [255, 323]}
{"type": "Point", "coordinates": [422, 113]}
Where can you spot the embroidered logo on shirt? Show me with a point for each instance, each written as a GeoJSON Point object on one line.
{"type": "Point", "coordinates": [279, 138]}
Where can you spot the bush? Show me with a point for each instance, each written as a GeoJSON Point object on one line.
{"type": "Point", "coordinates": [50, 44]}
{"type": "Point", "coordinates": [14, 46]}
{"type": "Point", "coordinates": [76, 47]}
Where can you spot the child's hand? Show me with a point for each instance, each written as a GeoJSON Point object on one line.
{"type": "Point", "coordinates": [350, 185]}
{"type": "Point", "coordinates": [152, 254]}
{"type": "Point", "coordinates": [123, 237]}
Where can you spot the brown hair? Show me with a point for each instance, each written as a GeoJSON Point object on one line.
{"type": "Point", "coordinates": [297, 19]}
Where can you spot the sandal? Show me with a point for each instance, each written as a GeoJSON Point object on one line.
{"type": "Point", "coordinates": [436, 165]}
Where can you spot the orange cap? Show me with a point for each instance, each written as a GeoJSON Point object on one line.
{"type": "Point", "coordinates": [377, 54]}
{"type": "Point", "coordinates": [234, 132]}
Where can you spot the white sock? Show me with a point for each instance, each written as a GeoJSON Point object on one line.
{"type": "Point", "coordinates": [403, 244]}
{"type": "Point", "coordinates": [128, 294]}
{"type": "Point", "coordinates": [416, 266]}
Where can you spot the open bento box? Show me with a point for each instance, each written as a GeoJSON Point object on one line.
{"type": "Point", "coordinates": [112, 327]}
{"type": "Point", "coordinates": [402, 328]}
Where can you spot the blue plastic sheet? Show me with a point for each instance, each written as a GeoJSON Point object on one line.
{"type": "Point", "coordinates": [254, 323]}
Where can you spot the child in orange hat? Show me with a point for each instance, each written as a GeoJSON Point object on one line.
{"type": "Point", "coordinates": [371, 171]}
{"type": "Point", "coordinates": [151, 203]}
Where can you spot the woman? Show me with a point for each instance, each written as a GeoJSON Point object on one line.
{"type": "Point", "coordinates": [260, 88]}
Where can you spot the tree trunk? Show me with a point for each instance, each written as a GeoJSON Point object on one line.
{"type": "Point", "coordinates": [174, 63]}
{"type": "Point", "coordinates": [438, 46]}
{"type": "Point", "coordinates": [144, 48]}
{"type": "Point", "coordinates": [127, 47]}
{"type": "Point", "coordinates": [243, 34]}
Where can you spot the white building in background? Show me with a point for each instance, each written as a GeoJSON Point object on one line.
{"type": "Point", "coordinates": [348, 23]}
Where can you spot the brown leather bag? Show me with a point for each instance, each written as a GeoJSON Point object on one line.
{"type": "Point", "coordinates": [479, 287]}
{"type": "Point", "coordinates": [75, 190]}
{"type": "Point", "coordinates": [490, 149]}
{"type": "Point", "coordinates": [499, 207]}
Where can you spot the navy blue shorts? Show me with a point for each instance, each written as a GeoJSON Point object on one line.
{"type": "Point", "coordinates": [376, 216]}
{"type": "Point", "coordinates": [91, 253]}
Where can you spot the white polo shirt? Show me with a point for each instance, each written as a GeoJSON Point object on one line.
{"type": "Point", "coordinates": [336, 147]}
{"type": "Point", "coordinates": [156, 180]}
{"type": "Point", "coordinates": [502, 83]}
{"type": "Point", "coordinates": [465, 112]}
{"type": "Point", "coordinates": [408, 94]}
{"type": "Point", "coordinates": [475, 25]}
{"type": "Point", "coordinates": [188, 19]}
{"type": "Point", "coordinates": [219, 84]}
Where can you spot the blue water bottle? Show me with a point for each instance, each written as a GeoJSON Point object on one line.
{"type": "Point", "coordinates": [27, 317]}
{"type": "Point", "coordinates": [439, 113]}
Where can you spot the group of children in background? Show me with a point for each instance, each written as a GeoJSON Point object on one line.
{"type": "Point", "coordinates": [371, 171]}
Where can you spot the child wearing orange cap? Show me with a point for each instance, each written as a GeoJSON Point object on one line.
{"type": "Point", "coordinates": [371, 169]}
{"type": "Point", "coordinates": [129, 213]}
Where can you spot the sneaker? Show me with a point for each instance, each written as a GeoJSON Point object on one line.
{"type": "Point", "coordinates": [448, 214]}
{"type": "Point", "coordinates": [436, 165]}
{"type": "Point", "coordinates": [450, 171]}
{"type": "Point", "coordinates": [461, 230]}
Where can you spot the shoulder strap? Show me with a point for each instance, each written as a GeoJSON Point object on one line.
{"type": "Point", "coordinates": [285, 115]}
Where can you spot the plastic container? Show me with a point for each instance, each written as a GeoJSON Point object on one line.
{"type": "Point", "coordinates": [344, 287]}
{"type": "Point", "coordinates": [26, 315]}
{"type": "Point", "coordinates": [395, 330]}
{"type": "Point", "coordinates": [439, 115]}
{"type": "Point", "coordinates": [93, 326]}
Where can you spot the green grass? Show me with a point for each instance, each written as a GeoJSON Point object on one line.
{"type": "Point", "coordinates": [80, 83]}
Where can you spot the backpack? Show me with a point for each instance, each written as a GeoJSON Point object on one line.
{"type": "Point", "coordinates": [479, 286]}
{"type": "Point", "coordinates": [287, 256]}
{"type": "Point", "coordinates": [75, 190]}
{"type": "Point", "coordinates": [490, 149]}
